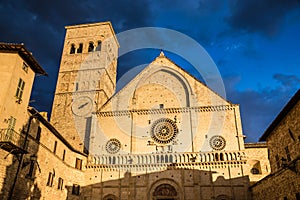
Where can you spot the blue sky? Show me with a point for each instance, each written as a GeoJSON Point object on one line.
{"type": "Point", "coordinates": [254, 43]}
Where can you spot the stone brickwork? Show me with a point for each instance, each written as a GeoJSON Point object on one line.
{"type": "Point", "coordinates": [89, 71]}
{"type": "Point", "coordinates": [283, 141]}
{"type": "Point", "coordinates": [189, 184]}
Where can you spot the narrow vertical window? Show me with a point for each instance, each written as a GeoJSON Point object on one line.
{"type": "Point", "coordinates": [60, 183]}
{"type": "Point", "coordinates": [288, 155]}
{"type": "Point", "coordinates": [79, 50]}
{"type": "Point", "coordinates": [50, 179]}
{"type": "Point", "coordinates": [78, 164]}
{"type": "Point", "coordinates": [64, 155]}
{"type": "Point", "coordinates": [20, 89]}
{"type": "Point", "coordinates": [76, 189]}
{"type": "Point", "coordinates": [76, 86]}
{"type": "Point", "coordinates": [72, 50]}
{"type": "Point", "coordinates": [55, 146]}
{"type": "Point", "coordinates": [31, 168]}
{"type": "Point", "coordinates": [91, 47]}
{"type": "Point", "coordinates": [98, 48]}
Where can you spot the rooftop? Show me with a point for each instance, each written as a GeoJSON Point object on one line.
{"type": "Point", "coordinates": [24, 54]}
{"type": "Point", "coordinates": [287, 108]}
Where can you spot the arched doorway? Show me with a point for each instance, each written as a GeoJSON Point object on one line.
{"type": "Point", "coordinates": [110, 197]}
{"type": "Point", "coordinates": [165, 192]}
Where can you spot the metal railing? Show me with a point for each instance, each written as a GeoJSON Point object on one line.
{"type": "Point", "coordinates": [13, 137]}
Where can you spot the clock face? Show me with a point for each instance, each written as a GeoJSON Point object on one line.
{"type": "Point", "coordinates": [82, 106]}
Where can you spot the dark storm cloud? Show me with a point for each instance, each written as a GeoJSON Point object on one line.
{"type": "Point", "coordinates": [265, 16]}
{"type": "Point", "coordinates": [40, 26]}
{"type": "Point", "coordinates": [287, 80]}
{"type": "Point", "coordinates": [260, 107]}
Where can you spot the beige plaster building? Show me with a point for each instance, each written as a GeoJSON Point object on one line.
{"type": "Point", "coordinates": [165, 135]}
{"type": "Point", "coordinates": [283, 141]}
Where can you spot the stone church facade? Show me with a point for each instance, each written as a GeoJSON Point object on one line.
{"type": "Point", "coordinates": [164, 135]}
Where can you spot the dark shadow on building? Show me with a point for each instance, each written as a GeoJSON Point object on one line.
{"type": "Point", "coordinates": [18, 151]}
{"type": "Point", "coordinates": [173, 183]}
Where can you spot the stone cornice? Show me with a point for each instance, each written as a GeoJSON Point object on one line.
{"type": "Point", "coordinates": [166, 110]}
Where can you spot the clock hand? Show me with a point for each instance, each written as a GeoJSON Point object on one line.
{"type": "Point", "coordinates": [81, 106]}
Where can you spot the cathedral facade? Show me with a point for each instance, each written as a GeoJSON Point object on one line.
{"type": "Point", "coordinates": [164, 122]}
{"type": "Point", "coordinates": [164, 135]}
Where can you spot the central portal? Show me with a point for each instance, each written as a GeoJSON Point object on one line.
{"type": "Point", "coordinates": [165, 192]}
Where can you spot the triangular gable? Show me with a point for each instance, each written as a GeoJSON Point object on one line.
{"type": "Point", "coordinates": [159, 74]}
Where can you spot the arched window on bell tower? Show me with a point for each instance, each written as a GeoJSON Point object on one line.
{"type": "Point", "coordinates": [98, 48]}
{"type": "Point", "coordinates": [79, 50]}
{"type": "Point", "coordinates": [91, 47]}
{"type": "Point", "coordinates": [72, 50]}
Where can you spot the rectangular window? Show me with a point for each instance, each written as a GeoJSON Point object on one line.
{"type": "Point", "coordinates": [20, 89]}
{"type": "Point", "coordinates": [25, 67]}
{"type": "Point", "coordinates": [287, 151]}
{"type": "Point", "coordinates": [60, 183]}
{"type": "Point", "coordinates": [31, 169]}
{"type": "Point", "coordinates": [55, 145]}
{"type": "Point", "coordinates": [50, 179]}
{"type": "Point", "coordinates": [64, 155]}
{"type": "Point", "coordinates": [78, 164]}
{"type": "Point", "coordinates": [76, 189]}
{"type": "Point", "coordinates": [161, 106]}
{"type": "Point", "coordinates": [10, 128]}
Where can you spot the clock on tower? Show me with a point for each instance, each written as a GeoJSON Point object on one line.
{"type": "Point", "coordinates": [86, 79]}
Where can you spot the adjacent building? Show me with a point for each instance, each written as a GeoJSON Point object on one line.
{"type": "Point", "coordinates": [283, 141]}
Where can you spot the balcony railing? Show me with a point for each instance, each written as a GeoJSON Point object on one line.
{"type": "Point", "coordinates": [12, 141]}
{"type": "Point", "coordinates": [169, 160]}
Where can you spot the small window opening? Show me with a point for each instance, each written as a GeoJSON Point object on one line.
{"type": "Point", "coordinates": [91, 47]}
{"type": "Point", "coordinates": [72, 50]}
{"type": "Point", "coordinates": [76, 189]}
{"type": "Point", "coordinates": [254, 171]}
{"type": "Point", "coordinates": [20, 89]}
{"type": "Point", "coordinates": [78, 164]}
{"type": "Point", "coordinates": [54, 148]}
{"type": "Point", "coordinates": [79, 50]}
{"type": "Point", "coordinates": [60, 183]}
{"type": "Point", "coordinates": [98, 48]}
{"type": "Point", "coordinates": [25, 67]}
{"type": "Point", "coordinates": [64, 155]}
{"type": "Point", "coordinates": [50, 179]}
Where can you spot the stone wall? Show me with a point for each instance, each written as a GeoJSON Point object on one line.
{"type": "Point", "coordinates": [283, 142]}
{"type": "Point", "coordinates": [188, 184]}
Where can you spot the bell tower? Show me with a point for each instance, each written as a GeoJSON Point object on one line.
{"type": "Point", "coordinates": [86, 79]}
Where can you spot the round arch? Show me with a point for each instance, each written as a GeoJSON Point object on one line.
{"type": "Point", "coordinates": [110, 197]}
{"type": "Point", "coordinates": [165, 189]}
{"type": "Point", "coordinates": [181, 79]}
